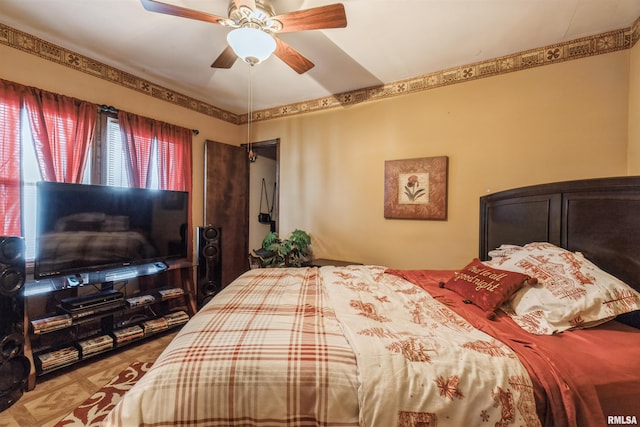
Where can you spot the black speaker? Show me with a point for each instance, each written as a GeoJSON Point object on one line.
{"type": "Point", "coordinates": [14, 367]}
{"type": "Point", "coordinates": [11, 265]}
{"type": "Point", "coordinates": [209, 263]}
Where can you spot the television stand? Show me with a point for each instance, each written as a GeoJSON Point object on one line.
{"type": "Point", "coordinates": [66, 324]}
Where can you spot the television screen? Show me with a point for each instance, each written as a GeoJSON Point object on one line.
{"type": "Point", "coordinates": [85, 228]}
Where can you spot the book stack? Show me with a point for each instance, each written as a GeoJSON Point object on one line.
{"type": "Point", "coordinates": [170, 293]}
{"type": "Point", "coordinates": [128, 334]}
{"type": "Point", "coordinates": [58, 358]}
{"type": "Point", "coordinates": [140, 300]}
{"type": "Point", "coordinates": [95, 345]}
{"type": "Point", "coordinates": [155, 325]}
{"type": "Point", "coordinates": [176, 318]}
{"type": "Point", "coordinates": [48, 324]}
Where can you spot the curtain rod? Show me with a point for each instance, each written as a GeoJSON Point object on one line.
{"type": "Point", "coordinates": [114, 110]}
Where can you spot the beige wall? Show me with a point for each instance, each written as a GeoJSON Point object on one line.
{"type": "Point", "coordinates": [265, 168]}
{"type": "Point", "coordinates": [634, 111]}
{"type": "Point", "coordinates": [29, 70]}
{"type": "Point", "coordinates": [561, 122]}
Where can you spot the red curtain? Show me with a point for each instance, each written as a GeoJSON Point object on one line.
{"type": "Point", "coordinates": [173, 145]}
{"type": "Point", "coordinates": [62, 130]}
{"type": "Point", "coordinates": [10, 181]}
{"type": "Point", "coordinates": [137, 135]}
{"type": "Point", "coordinates": [174, 164]}
{"type": "Point", "coordinates": [174, 157]}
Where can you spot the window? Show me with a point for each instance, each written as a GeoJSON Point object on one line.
{"type": "Point", "coordinates": [116, 173]}
{"type": "Point", "coordinates": [115, 168]}
{"type": "Point", "coordinates": [30, 175]}
{"type": "Point", "coordinates": [108, 143]}
{"type": "Point", "coordinates": [44, 135]}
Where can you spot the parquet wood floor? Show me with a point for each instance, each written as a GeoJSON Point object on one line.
{"type": "Point", "coordinates": [59, 393]}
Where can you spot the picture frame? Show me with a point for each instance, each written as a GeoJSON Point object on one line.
{"type": "Point", "coordinates": [416, 188]}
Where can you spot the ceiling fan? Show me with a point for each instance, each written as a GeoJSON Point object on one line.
{"type": "Point", "coordinates": [260, 18]}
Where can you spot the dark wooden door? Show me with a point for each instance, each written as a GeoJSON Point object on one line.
{"type": "Point", "coordinates": [226, 204]}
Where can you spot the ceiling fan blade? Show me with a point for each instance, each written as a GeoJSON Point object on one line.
{"type": "Point", "coordinates": [251, 4]}
{"type": "Point", "coordinates": [226, 59]}
{"type": "Point", "coordinates": [292, 57]}
{"type": "Point", "coordinates": [317, 18]}
{"type": "Point", "coordinates": [169, 9]}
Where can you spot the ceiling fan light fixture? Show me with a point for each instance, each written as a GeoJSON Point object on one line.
{"type": "Point", "coordinates": [251, 45]}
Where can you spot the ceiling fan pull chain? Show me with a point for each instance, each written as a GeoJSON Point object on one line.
{"type": "Point", "coordinates": [250, 109]}
{"type": "Point", "coordinates": [252, 156]}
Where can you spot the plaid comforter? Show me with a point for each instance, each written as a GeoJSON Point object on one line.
{"type": "Point", "coordinates": [329, 347]}
{"type": "Point", "coordinates": [266, 351]}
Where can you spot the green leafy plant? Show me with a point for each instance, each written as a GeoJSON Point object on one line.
{"type": "Point", "coordinates": [293, 251]}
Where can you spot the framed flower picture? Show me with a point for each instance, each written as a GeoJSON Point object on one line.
{"type": "Point", "coordinates": [416, 188]}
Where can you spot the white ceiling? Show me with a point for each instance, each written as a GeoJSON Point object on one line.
{"type": "Point", "coordinates": [384, 41]}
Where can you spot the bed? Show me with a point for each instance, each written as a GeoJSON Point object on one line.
{"type": "Point", "coordinates": [373, 346]}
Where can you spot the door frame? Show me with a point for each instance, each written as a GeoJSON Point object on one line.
{"type": "Point", "coordinates": [268, 148]}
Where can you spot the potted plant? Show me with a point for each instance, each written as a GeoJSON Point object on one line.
{"type": "Point", "coordinates": [291, 252]}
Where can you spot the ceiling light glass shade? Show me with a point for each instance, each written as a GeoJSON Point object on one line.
{"type": "Point", "coordinates": [251, 45]}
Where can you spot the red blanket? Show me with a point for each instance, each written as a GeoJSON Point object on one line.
{"type": "Point", "coordinates": [582, 377]}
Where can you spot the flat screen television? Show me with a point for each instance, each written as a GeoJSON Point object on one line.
{"type": "Point", "coordinates": [87, 228]}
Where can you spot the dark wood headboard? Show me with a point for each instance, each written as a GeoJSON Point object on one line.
{"type": "Point", "coordinates": [598, 217]}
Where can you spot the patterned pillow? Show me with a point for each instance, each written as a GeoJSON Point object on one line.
{"type": "Point", "coordinates": [485, 286]}
{"type": "Point", "coordinates": [572, 292]}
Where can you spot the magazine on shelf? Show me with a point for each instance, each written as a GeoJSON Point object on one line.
{"type": "Point", "coordinates": [52, 323]}
{"type": "Point", "coordinates": [94, 351]}
{"type": "Point", "coordinates": [155, 325]}
{"type": "Point", "coordinates": [127, 334]}
{"type": "Point", "coordinates": [95, 345]}
{"type": "Point", "coordinates": [170, 293]}
{"type": "Point", "coordinates": [57, 358]}
{"type": "Point", "coordinates": [140, 300]}
{"type": "Point", "coordinates": [176, 318]}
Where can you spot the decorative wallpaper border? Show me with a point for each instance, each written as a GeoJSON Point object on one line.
{"type": "Point", "coordinates": [54, 53]}
{"type": "Point", "coordinates": [547, 55]}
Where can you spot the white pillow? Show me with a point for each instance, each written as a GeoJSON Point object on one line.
{"type": "Point", "coordinates": [572, 292]}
